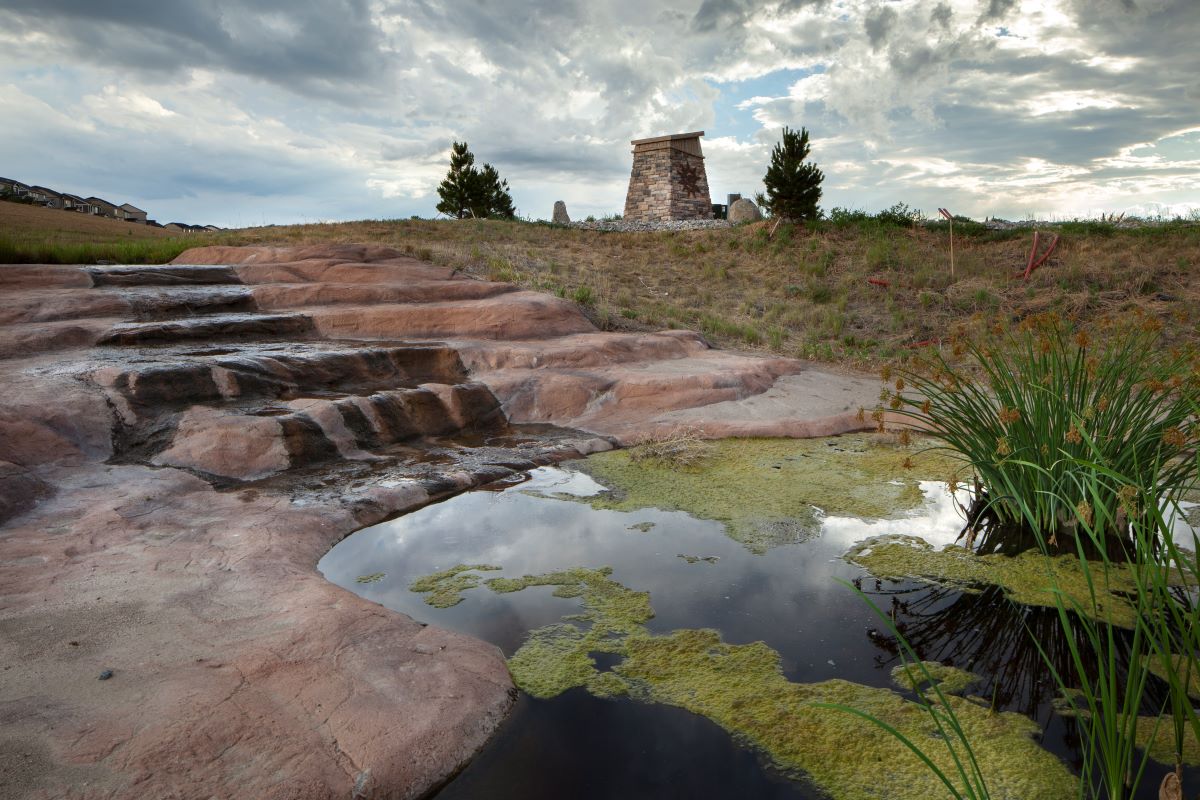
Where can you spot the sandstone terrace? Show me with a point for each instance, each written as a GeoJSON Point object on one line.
{"type": "Point", "coordinates": [804, 292]}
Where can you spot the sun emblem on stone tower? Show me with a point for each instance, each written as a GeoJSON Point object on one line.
{"type": "Point", "coordinates": [689, 179]}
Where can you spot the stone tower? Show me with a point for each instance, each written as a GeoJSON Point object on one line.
{"type": "Point", "coordinates": [668, 180]}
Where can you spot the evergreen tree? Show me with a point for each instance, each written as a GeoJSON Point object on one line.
{"type": "Point", "coordinates": [793, 185]}
{"type": "Point", "coordinates": [471, 192]}
{"type": "Point", "coordinates": [456, 190]}
{"type": "Point", "coordinates": [493, 194]}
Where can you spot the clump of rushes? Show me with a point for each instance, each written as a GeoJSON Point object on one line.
{"type": "Point", "coordinates": [1041, 414]}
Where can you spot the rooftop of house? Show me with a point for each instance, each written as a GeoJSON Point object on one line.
{"type": "Point", "coordinates": [131, 207]}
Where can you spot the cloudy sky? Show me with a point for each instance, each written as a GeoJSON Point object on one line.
{"type": "Point", "coordinates": [240, 112]}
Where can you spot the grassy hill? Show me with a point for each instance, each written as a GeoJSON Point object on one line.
{"type": "Point", "coordinates": [33, 234]}
{"type": "Point", "coordinates": [859, 292]}
{"type": "Point", "coordinates": [808, 291]}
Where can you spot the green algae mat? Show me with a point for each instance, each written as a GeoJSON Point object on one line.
{"type": "Point", "coordinates": [773, 492]}
{"type": "Point", "coordinates": [742, 688]}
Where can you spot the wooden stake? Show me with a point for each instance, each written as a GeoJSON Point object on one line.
{"type": "Point", "coordinates": [949, 218]}
{"type": "Point", "coordinates": [952, 249]}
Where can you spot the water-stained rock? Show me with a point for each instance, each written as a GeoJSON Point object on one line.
{"type": "Point", "coordinates": [168, 495]}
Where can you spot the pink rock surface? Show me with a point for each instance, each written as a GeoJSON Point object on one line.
{"type": "Point", "coordinates": [130, 541]}
{"type": "Point", "coordinates": [238, 671]}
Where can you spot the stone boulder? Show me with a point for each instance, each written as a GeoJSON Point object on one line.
{"type": "Point", "coordinates": [744, 211]}
{"type": "Point", "coordinates": [560, 213]}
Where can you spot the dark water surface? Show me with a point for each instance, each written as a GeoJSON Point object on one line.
{"type": "Point", "coordinates": [579, 746]}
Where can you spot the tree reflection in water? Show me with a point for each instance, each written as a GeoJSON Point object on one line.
{"type": "Point", "coordinates": [997, 639]}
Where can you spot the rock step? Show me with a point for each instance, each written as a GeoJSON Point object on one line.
{"type": "Point", "coordinates": [140, 303]}
{"type": "Point", "coordinates": [606, 398]}
{"type": "Point", "coordinates": [163, 275]}
{"type": "Point", "coordinates": [239, 445]}
{"type": "Point", "coordinates": [149, 304]}
{"type": "Point", "coordinates": [299, 295]}
{"type": "Point", "coordinates": [32, 338]}
{"type": "Point", "coordinates": [218, 327]}
{"type": "Point", "coordinates": [42, 276]}
{"type": "Point", "coordinates": [279, 374]}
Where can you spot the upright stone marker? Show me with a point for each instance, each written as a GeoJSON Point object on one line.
{"type": "Point", "coordinates": [560, 213]}
{"type": "Point", "coordinates": [668, 181]}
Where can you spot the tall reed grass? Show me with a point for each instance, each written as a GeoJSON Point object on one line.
{"type": "Point", "coordinates": [1101, 443]}
{"type": "Point", "coordinates": [1040, 404]}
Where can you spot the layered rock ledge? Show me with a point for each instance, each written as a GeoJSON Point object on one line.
{"type": "Point", "coordinates": [180, 444]}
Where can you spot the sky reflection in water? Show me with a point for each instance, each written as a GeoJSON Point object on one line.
{"type": "Point", "coordinates": [788, 598]}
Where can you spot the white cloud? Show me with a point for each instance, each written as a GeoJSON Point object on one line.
{"type": "Point", "coordinates": [226, 109]}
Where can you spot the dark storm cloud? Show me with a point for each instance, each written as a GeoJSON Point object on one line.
{"type": "Point", "coordinates": [517, 35]}
{"type": "Point", "coordinates": [973, 132]}
{"type": "Point", "coordinates": [941, 15]}
{"type": "Point", "coordinates": [306, 45]}
{"type": "Point", "coordinates": [878, 23]}
{"type": "Point", "coordinates": [996, 10]}
{"type": "Point", "coordinates": [719, 15]}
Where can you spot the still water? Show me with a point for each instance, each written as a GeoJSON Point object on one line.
{"type": "Point", "coordinates": [577, 745]}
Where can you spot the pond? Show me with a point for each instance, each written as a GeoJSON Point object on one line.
{"type": "Point", "coordinates": [621, 698]}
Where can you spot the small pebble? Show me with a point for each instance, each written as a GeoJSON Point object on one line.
{"type": "Point", "coordinates": [106, 674]}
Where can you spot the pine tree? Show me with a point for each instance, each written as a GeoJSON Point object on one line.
{"type": "Point", "coordinates": [793, 185]}
{"type": "Point", "coordinates": [471, 192]}
{"type": "Point", "coordinates": [493, 194]}
{"type": "Point", "coordinates": [456, 190]}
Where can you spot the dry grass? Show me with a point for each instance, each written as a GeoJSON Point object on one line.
{"type": "Point", "coordinates": [804, 292]}
{"type": "Point", "coordinates": [683, 447]}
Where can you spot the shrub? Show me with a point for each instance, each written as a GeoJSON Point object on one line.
{"type": "Point", "coordinates": [900, 214]}
{"type": "Point", "coordinates": [846, 216]}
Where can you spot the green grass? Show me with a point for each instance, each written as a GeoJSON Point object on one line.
{"type": "Point", "coordinates": [138, 251]}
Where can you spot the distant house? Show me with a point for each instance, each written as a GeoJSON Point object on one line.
{"type": "Point", "coordinates": [211, 228]}
{"type": "Point", "coordinates": [103, 208]}
{"type": "Point", "coordinates": [73, 202]}
{"type": "Point", "coordinates": [153, 223]}
{"type": "Point", "coordinates": [131, 213]}
{"type": "Point", "coordinates": [47, 197]}
{"type": "Point", "coordinates": [176, 226]}
{"type": "Point", "coordinates": [15, 188]}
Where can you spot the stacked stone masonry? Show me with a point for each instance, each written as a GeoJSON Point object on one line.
{"type": "Point", "coordinates": [668, 181]}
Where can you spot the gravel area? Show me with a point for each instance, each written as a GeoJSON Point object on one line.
{"type": "Point", "coordinates": [671, 225]}
{"type": "Point", "coordinates": [1129, 222]}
